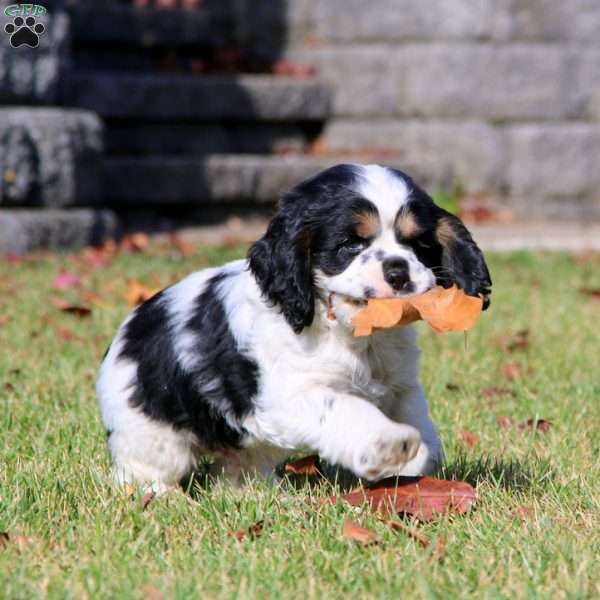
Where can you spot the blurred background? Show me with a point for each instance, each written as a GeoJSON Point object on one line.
{"type": "Point", "coordinates": [157, 115]}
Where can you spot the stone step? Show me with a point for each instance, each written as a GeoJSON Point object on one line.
{"type": "Point", "coordinates": [248, 97]}
{"type": "Point", "coordinates": [149, 27]}
{"type": "Point", "coordinates": [151, 138]}
{"type": "Point", "coordinates": [212, 179]}
{"type": "Point", "coordinates": [24, 230]}
{"type": "Point", "coordinates": [214, 23]}
{"type": "Point", "coordinates": [49, 157]}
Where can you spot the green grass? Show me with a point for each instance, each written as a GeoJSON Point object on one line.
{"type": "Point", "coordinates": [92, 541]}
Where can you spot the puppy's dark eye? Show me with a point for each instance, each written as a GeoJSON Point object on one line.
{"type": "Point", "coordinates": [352, 246]}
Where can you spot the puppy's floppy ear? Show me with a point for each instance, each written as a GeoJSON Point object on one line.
{"type": "Point", "coordinates": [462, 258]}
{"type": "Point", "coordinates": [281, 263]}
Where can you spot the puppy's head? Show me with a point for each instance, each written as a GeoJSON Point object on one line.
{"type": "Point", "coordinates": [362, 232]}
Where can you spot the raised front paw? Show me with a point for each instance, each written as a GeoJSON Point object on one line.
{"type": "Point", "coordinates": [387, 452]}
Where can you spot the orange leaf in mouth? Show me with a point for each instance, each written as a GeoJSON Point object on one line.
{"type": "Point", "coordinates": [444, 309]}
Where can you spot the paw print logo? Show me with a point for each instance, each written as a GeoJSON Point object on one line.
{"type": "Point", "coordinates": [24, 32]}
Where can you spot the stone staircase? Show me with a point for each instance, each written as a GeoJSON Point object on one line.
{"type": "Point", "coordinates": [194, 115]}
{"type": "Point", "coordinates": [172, 114]}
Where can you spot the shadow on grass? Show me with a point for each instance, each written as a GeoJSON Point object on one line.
{"type": "Point", "coordinates": [513, 474]}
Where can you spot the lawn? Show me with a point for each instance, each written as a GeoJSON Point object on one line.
{"type": "Point", "coordinates": [535, 531]}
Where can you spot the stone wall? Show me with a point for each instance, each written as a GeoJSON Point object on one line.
{"type": "Point", "coordinates": [227, 105]}
{"type": "Point", "coordinates": [498, 97]}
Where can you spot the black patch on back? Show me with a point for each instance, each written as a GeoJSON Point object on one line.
{"type": "Point", "coordinates": [224, 381]}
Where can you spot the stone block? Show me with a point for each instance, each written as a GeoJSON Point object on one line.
{"type": "Point", "coordinates": [49, 157]}
{"type": "Point", "coordinates": [33, 75]}
{"type": "Point", "coordinates": [441, 153]}
{"type": "Point", "coordinates": [24, 230]}
{"type": "Point", "coordinates": [554, 160]}
{"type": "Point", "coordinates": [248, 97]}
{"type": "Point", "coordinates": [402, 20]}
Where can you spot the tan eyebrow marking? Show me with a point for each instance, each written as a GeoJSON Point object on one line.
{"type": "Point", "coordinates": [407, 224]}
{"type": "Point", "coordinates": [367, 223]}
{"type": "Point", "coordinates": [445, 232]}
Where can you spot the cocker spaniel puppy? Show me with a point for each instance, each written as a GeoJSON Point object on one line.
{"type": "Point", "coordinates": [245, 363]}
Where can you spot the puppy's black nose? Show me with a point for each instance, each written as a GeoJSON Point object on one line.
{"type": "Point", "coordinates": [396, 273]}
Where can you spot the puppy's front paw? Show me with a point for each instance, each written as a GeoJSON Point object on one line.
{"type": "Point", "coordinates": [387, 453]}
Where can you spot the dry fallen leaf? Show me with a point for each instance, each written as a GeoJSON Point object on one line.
{"type": "Point", "coordinates": [308, 465]}
{"type": "Point", "coordinates": [135, 242]}
{"type": "Point", "coordinates": [493, 392]}
{"type": "Point", "coordinates": [184, 247]}
{"type": "Point", "coordinates": [4, 319]}
{"type": "Point", "coordinates": [67, 307]}
{"type": "Point", "coordinates": [253, 532]}
{"type": "Point", "coordinates": [505, 422]}
{"type": "Point", "coordinates": [149, 592]}
{"type": "Point", "coordinates": [362, 535]}
{"type": "Point", "coordinates": [64, 333]}
{"type": "Point", "coordinates": [469, 438]}
{"type": "Point", "coordinates": [66, 280]}
{"type": "Point", "coordinates": [444, 309]}
{"type": "Point", "coordinates": [411, 533]}
{"type": "Point", "coordinates": [137, 292]}
{"type": "Point", "coordinates": [512, 370]}
{"type": "Point", "coordinates": [591, 292]}
{"type": "Point", "coordinates": [20, 542]}
{"type": "Point", "coordinates": [512, 343]}
{"type": "Point", "coordinates": [538, 424]}
{"type": "Point", "coordinates": [147, 498]}
{"type": "Point", "coordinates": [422, 497]}
{"type": "Point", "coordinates": [523, 513]}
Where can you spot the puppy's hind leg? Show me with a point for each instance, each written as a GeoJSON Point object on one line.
{"type": "Point", "coordinates": [152, 454]}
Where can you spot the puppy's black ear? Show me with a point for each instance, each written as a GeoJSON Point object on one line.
{"type": "Point", "coordinates": [281, 264]}
{"type": "Point", "coordinates": [462, 259]}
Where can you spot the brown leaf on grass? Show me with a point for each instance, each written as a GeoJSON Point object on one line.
{"type": "Point", "coordinates": [137, 292]}
{"type": "Point", "coordinates": [362, 535]}
{"type": "Point", "coordinates": [183, 246]}
{"type": "Point", "coordinates": [538, 424]}
{"type": "Point", "coordinates": [64, 333]}
{"type": "Point", "coordinates": [505, 422]}
{"type": "Point", "coordinates": [20, 542]}
{"type": "Point", "coordinates": [4, 319]}
{"type": "Point", "coordinates": [439, 549]}
{"type": "Point", "coordinates": [591, 292]}
{"type": "Point", "coordinates": [65, 280]}
{"type": "Point", "coordinates": [444, 309]}
{"type": "Point", "coordinates": [309, 466]}
{"type": "Point", "coordinates": [70, 308]}
{"type": "Point", "coordinates": [422, 497]}
{"type": "Point", "coordinates": [512, 370]}
{"type": "Point", "coordinates": [493, 392]}
{"type": "Point", "coordinates": [91, 297]}
{"type": "Point", "coordinates": [9, 387]}
{"type": "Point", "coordinates": [135, 242]}
{"type": "Point", "coordinates": [523, 513]}
{"type": "Point", "coordinates": [147, 498]}
{"type": "Point", "coordinates": [468, 438]}
{"type": "Point", "coordinates": [149, 592]}
{"type": "Point", "coordinates": [411, 533]}
{"type": "Point", "coordinates": [518, 341]}
{"type": "Point", "coordinates": [99, 256]}
{"type": "Point", "coordinates": [252, 532]}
